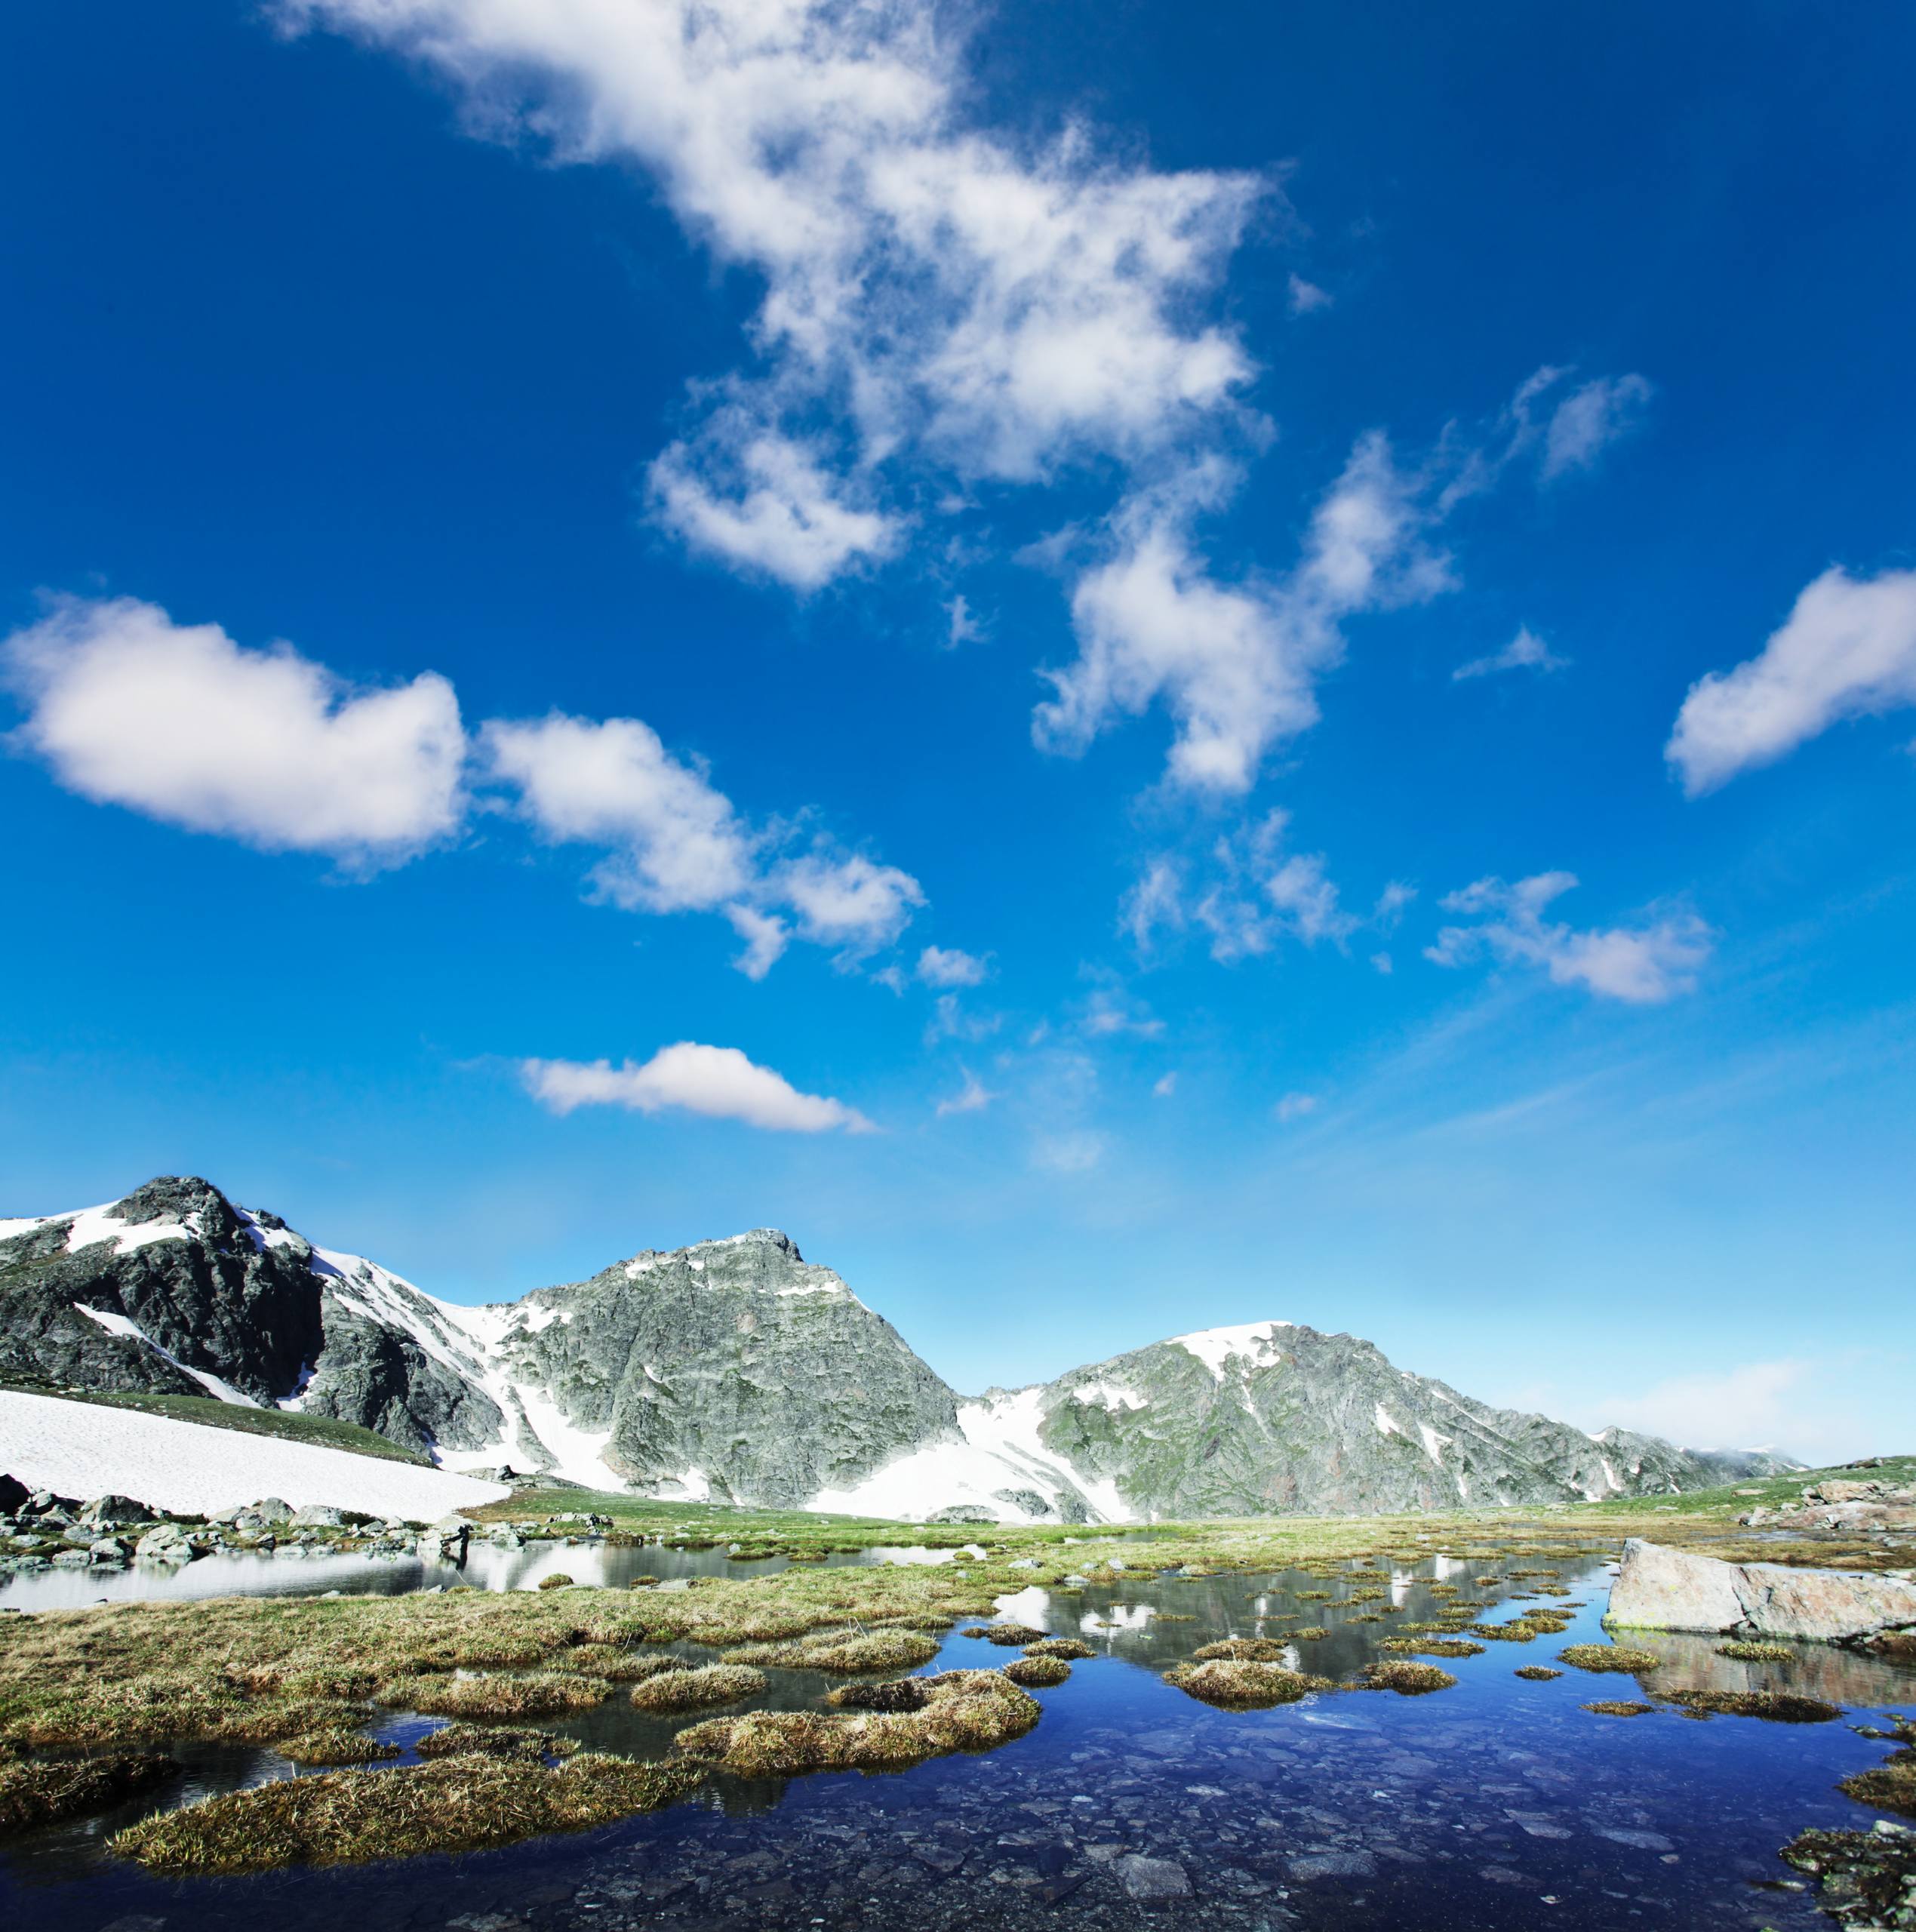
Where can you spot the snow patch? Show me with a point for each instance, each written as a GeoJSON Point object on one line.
{"type": "Point", "coordinates": [87, 1449]}
{"type": "Point", "coordinates": [1435, 1445]}
{"type": "Point", "coordinates": [98, 1224]}
{"type": "Point", "coordinates": [1108, 1395]}
{"type": "Point", "coordinates": [1214, 1347]}
{"type": "Point", "coordinates": [578, 1453]}
{"type": "Point", "coordinates": [1384, 1425]}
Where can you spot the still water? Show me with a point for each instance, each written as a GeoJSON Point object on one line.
{"type": "Point", "coordinates": [1498, 1805]}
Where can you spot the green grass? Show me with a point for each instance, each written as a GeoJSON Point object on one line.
{"type": "Point", "coordinates": [322, 1431]}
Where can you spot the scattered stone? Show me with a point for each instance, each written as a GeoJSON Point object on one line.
{"type": "Point", "coordinates": [1151, 1881]}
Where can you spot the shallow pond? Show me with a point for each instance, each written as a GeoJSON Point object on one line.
{"type": "Point", "coordinates": [1497, 1805]}
{"type": "Point", "coordinates": [292, 1571]}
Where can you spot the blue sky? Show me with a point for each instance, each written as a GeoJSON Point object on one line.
{"type": "Point", "coordinates": [994, 639]}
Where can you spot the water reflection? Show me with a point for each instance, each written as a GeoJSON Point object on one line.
{"type": "Point", "coordinates": [1498, 1806]}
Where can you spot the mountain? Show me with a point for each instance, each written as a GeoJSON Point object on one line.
{"type": "Point", "coordinates": [735, 1370]}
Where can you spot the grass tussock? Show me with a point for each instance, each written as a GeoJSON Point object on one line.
{"type": "Point", "coordinates": [1011, 1635]}
{"type": "Point", "coordinates": [1434, 1646]}
{"type": "Point", "coordinates": [335, 1744]}
{"type": "Point", "coordinates": [900, 1694]}
{"type": "Point", "coordinates": [1890, 1786]}
{"type": "Point", "coordinates": [1406, 1679]}
{"type": "Point", "coordinates": [1070, 1648]}
{"type": "Point", "coordinates": [1751, 1649]}
{"type": "Point", "coordinates": [1537, 1673]}
{"type": "Point", "coordinates": [1619, 1657]}
{"type": "Point", "coordinates": [460, 1803]}
{"type": "Point", "coordinates": [543, 1694]}
{"type": "Point", "coordinates": [1618, 1707]}
{"type": "Point", "coordinates": [489, 1740]}
{"type": "Point", "coordinates": [690, 1690]}
{"type": "Point", "coordinates": [1778, 1707]}
{"type": "Point", "coordinates": [32, 1794]}
{"type": "Point", "coordinates": [558, 1580]}
{"type": "Point", "coordinates": [1309, 1633]}
{"type": "Point", "coordinates": [964, 1710]}
{"type": "Point", "coordinates": [1243, 1650]}
{"type": "Point", "coordinates": [841, 1655]}
{"type": "Point", "coordinates": [1242, 1684]}
{"type": "Point", "coordinates": [1037, 1673]}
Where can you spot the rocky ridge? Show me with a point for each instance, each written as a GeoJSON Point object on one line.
{"type": "Point", "coordinates": [734, 1371]}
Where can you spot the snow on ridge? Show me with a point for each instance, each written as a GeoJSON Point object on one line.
{"type": "Point", "coordinates": [1386, 1424]}
{"type": "Point", "coordinates": [92, 1225]}
{"type": "Point", "coordinates": [121, 1324]}
{"type": "Point", "coordinates": [90, 1449]}
{"type": "Point", "coordinates": [1214, 1347]}
{"type": "Point", "coordinates": [1435, 1445]}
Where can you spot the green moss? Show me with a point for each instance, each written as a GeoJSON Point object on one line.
{"type": "Point", "coordinates": [844, 1655]}
{"type": "Point", "coordinates": [1406, 1679]}
{"type": "Point", "coordinates": [460, 1803]}
{"type": "Point", "coordinates": [1600, 1657]}
{"type": "Point", "coordinates": [558, 1580]}
{"type": "Point", "coordinates": [33, 1795]}
{"type": "Point", "coordinates": [1752, 1651]}
{"type": "Point", "coordinates": [688, 1690]}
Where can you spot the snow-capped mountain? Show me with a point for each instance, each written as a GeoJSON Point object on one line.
{"type": "Point", "coordinates": [735, 1370]}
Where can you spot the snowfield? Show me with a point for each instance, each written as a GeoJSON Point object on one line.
{"type": "Point", "coordinates": [88, 1449]}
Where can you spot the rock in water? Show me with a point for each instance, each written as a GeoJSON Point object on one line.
{"type": "Point", "coordinates": [1658, 1589]}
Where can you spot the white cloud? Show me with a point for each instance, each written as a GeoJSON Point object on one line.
{"type": "Point", "coordinates": [962, 627]}
{"type": "Point", "coordinates": [768, 507]}
{"type": "Point", "coordinates": [1590, 419]}
{"type": "Point", "coordinates": [1644, 965]}
{"type": "Point", "coordinates": [1110, 1011]}
{"type": "Point", "coordinates": [1164, 1086]}
{"type": "Point", "coordinates": [1382, 960]}
{"type": "Point", "coordinates": [1154, 904]}
{"type": "Point", "coordinates": [946, 966]}
{"type": "Point", "coordinates": [1306, 297]}
{"type": "Point", "coordinates": [994, 302]}
{"type": "Point", "coordinates": [1526, 651]}
{"type": "Point", "coordinates": [678, 845]}
{"type": "Point", "coordinates": [1847, 650]}
{"type": "Point", "coordinates": [1236, 665]}
{"type": "Point", "coordinates": [1295, 1106]}
{"type": "Point", "coordinates": [717, 1081]}
{"type": "Point", "coordinates": [852, 902]}
{"type": "Point", "coordinates": [179, 722]}
{"type": "Point", "coordinates": [949, 1021]}
{"type": "Point", "coordinates": [970, 1098]}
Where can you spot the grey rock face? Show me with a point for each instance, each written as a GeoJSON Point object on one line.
{"type": "Point", "coordinates": [1282, 1418]}
{"type": "Point", "coordinates": [735, 1370]}
{"type": "Point", "coordinates": [733, 1364]}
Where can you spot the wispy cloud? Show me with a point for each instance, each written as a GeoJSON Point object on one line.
{"type": "Point", "coordinates": [1644, 965]}
{"type": "Point", "coordinates": [1526, 651]}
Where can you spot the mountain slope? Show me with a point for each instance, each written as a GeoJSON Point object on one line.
{"type": "Point", "coordinates": [734, 1371]}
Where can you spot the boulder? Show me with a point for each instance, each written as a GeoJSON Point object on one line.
{"type": "Point", "coordinates": [962, 1512]}
{"type": "Point", "coordinates": [14, 1496]}
{"type": "Point", "coordinates": [1659, 1589]}
{"type": "Point", "coordinates": [319, 1516]}
{"type": "Point", "coordinates": [166, 1543]}
{"type": "Point", "coordinates": [114, 1512]}
{"type": "Point", "coordinates": [272, 1510]}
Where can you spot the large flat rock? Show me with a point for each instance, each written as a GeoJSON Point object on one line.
{"type": "Point", "coordinates": [1658, 1589]}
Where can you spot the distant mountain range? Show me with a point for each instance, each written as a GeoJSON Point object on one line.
{"type": "Point", "coordinates": [734, 1371]}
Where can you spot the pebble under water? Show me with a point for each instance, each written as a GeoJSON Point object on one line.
{"type": "Point", "coordinates": [1499, 1803]}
